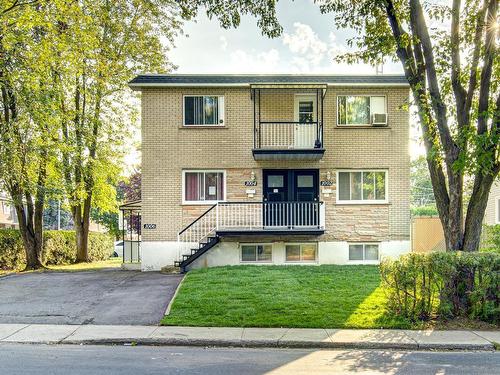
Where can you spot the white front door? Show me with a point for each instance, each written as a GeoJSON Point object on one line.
{"type": "Point", "coordinates": [305, 118]}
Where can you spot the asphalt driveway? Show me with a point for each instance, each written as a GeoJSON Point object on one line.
{"type": "Point", "coordinates": [89, 297]}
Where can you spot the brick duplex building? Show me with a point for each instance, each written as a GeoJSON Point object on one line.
{"type": "Point", "coordinates": [273, 169]}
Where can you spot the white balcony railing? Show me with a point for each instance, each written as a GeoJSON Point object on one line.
{"type": "Point", "coordinates": [288, 135]}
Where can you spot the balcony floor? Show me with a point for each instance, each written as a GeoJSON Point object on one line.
{"type": "Point", "coordinates": [289, 154]}
{"type": "Point", "coordinates": [278, 231]}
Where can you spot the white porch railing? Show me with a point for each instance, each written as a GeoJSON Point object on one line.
{"type": "Point", "coordinates": [288, 135]}
{"type": "Point", "coordinates": [269, 215]}
{"type": "Point", "coordinates": [265, 216]}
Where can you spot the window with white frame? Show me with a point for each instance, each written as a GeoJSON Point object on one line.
{"type": "Point", "coordinates": [204, 110]}
{"type": "Point", "coordinates": [306, 252]}
{"type": "Point", "coordinates": [256, 253]}
{"type": "Point", "coordinates": [203, 186]}
{"type": "Point", "coordinates": [363, 251]}
{"type": "Point", "coordinates": [358, 109]}
{"type": "Point", "coordinates": [362, 187]}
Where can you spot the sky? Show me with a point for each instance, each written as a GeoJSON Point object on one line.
{"type": "Point", "coordinates": [308, 44]}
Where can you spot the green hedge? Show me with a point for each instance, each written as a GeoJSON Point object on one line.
{"type": "Point", "coordinates": [59, 248]}
{"type": "Point", "coordinates": [490, 238]}
{"type": "Point", "coordinates": [444, 284]}
{"type": "Point", "coordinates": [12, 254]}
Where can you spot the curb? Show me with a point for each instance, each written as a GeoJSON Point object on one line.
{"type": "Point", "coordinates": [269, 344]}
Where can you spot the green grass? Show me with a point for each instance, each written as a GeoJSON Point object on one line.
{"type": "Point", "coordinates": [283, 296]}
{"type": "Point", "coordinates": [109, 263]}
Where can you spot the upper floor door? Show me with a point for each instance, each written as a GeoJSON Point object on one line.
{"type": "Point", "coordinates": [305, 121]}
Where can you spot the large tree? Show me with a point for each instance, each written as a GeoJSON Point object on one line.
{"type": "Point", "coordinates": [449, 57]}
{"type": "Point", "coordinates": [28, 122]}
{"type": "Point", "coordinates": [114, 41]}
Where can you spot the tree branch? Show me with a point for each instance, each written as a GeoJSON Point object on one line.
{"type": "Point", "coordinates": [437, 103]}
{"type": "Point", "coordinates": [458, 89]}
{"type": "Point", "coordinates": [475, 57]}
{"type": "Point", "coordinates": [489, 55]}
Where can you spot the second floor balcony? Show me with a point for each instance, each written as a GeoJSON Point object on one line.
{"type": "Point", "coordinates": [288, 122]}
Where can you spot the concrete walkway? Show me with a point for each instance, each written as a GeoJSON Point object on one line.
{"type": "Point", "coordinates": [249, 337]}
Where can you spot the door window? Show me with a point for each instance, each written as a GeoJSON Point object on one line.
{"type": "Point", "coordinates": [305, 181]}
{"type": "Point", "coordinates": [275, 181]}
{"type": "Point", "coordinates": [306, 110]}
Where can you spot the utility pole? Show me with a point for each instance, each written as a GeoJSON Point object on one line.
{"type": "Point", "coordinates": [58, 215]}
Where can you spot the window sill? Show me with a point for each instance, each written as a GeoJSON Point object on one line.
{"type": "Point", "coordinates": [301, 261]}
{"type": "Point", "coordinates": [361, 127]}
{"type": "Point", "coordinates": [357, 203]}
{"type": "Point", "coordinates": [203, 127]}
{"type": "Point", "coordinates": [256, 262]}
{"type": "Point", "coordinates": [200, 203]}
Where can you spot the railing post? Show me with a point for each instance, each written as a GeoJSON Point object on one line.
{"type": "Point", "coordinates": [217, 216]}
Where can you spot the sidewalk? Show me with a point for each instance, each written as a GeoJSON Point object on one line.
{"type": "Point", "coordinates": [249, 337]}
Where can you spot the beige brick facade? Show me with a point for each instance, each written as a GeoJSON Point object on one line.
{"type": "Point", "coordinates": [168, 148]}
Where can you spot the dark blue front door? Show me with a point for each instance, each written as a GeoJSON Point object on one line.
{"type": "Point", "coordinates": [289, 196]}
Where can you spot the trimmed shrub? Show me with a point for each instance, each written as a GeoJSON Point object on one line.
{"type": "Point", "coordinates": [444, 284]}
{"type": "Point", "coordinates": [490, 238]}
{"type": "Point", "coordinates": [430, 210]}
{"type": "Point", "coordinates": [59, 247]}
{"type": "Point", "coordinates": [12, 256]}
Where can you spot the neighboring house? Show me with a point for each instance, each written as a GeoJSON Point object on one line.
{"type": "Point", "coordinates": [8, 215]}
{"type": "Point", "coordinates": [492, 215]}
{"type": "Point", "coordinates": [273, 169]}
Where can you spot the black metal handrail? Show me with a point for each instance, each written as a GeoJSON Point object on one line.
{"type": "Point", "coordinates": [199, 218]}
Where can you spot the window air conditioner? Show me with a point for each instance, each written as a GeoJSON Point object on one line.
{"type": "Point", "coordinates": [379, 119]}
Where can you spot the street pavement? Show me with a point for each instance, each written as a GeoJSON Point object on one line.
{"type": "Point", "coordinates": [21, 359]}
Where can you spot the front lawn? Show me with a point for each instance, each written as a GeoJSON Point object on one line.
{"type": "Point", "coordinates": [325, 296]}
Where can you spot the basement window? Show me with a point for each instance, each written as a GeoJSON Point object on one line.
{"type": "Point", "coordinates": [363, 251]}
{"type": "Point", "coordinates": [256, 253]}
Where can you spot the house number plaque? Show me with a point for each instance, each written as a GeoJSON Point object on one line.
{"type": "Point", "coordinates": [149, 226]}
{"type": "Point", "coordinates": [326, 183]}
{"type": "Point", "coordinates": [250, 183]}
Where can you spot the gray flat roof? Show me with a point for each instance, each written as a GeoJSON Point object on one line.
{"type": "Point", "coordinates": [193, 80]}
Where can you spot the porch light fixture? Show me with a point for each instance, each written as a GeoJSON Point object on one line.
{"type": "Point", "coordinates": [328, 176]}
{"type": "Point", "coordinates": [252, 176]}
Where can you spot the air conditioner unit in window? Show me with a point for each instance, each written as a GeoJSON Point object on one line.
{"type": "Point", "coordinates": [379, 119]}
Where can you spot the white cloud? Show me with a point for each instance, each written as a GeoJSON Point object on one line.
{"type": "Point", "coordinates": [223, 42]}
{"type": "Point", "coordinates": [305, 42]}
{"type": "Point", "coordinates": [242, 61]}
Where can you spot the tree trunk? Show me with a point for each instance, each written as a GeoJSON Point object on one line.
{"type": "Point", "coordinates": [32, 241]}
{"type": "Point", "coordinates": [81, 217]}
{"type": "Point", "coordinates": [475, 212]}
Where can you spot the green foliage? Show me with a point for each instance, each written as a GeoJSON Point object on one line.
{"type": "Point", "coordinates": [12, 254]}
{"type": "Point", "coordinates": [444, 284]}
{"type": "Point", "coordinates": [429, 210]}
{"type": "Point", "coordinates": [58, 248]}
{"type": "Point", "coordinates": [490, 239]}
{"type": "Point", "coordinates": [421, 185]}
